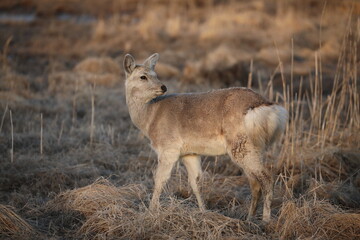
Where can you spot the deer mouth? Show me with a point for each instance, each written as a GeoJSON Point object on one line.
{"type": "Point", "coordinates": [159, 92]}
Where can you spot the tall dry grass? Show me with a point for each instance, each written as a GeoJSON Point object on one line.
{"type": "Point", "coordinates": [333, 120]}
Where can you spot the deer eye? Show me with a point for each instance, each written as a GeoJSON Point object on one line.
{"type": "Point", "coordinates": [143, 77]}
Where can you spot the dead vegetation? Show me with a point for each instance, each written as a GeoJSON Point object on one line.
{"type": "Point", "coordinates": [316, 220]}
{"type": "Point", "coordinates": [113, 212]}
{"type": "Point", "coordinates": [74, 167]}
{"type": "Point", "coordinates": [12, 225]}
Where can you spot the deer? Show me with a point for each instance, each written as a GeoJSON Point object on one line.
{"type": "Point", "coordinates": [236, 121]}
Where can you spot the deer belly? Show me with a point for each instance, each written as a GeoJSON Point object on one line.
{"type": "Point", "coordinates": [209, 147]}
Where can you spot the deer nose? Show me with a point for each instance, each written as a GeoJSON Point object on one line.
{"type": "Point", "coordinates": [163, 88]}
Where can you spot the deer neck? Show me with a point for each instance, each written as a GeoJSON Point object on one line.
{"type": "Point", "coordinates": [140, 113]}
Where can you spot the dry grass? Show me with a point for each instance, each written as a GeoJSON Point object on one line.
{"type": "Point", "coordinates": [99, 71]}
{"type": "Point", "coordinates": [74, 167]}
{"type": "Point", "coordinates": [98, 66]}
{"type": "Point", "coordinates": [112, 212]}
{"type": "Point", "coordinates": [97, 197]}
{"type": "Point", "coordinates": [12, 225]}
{"type": "Point", "coordinates": [316, 220]}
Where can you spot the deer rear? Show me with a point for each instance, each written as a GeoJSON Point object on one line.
{"type": "Point", "coordinates": [233, 121]}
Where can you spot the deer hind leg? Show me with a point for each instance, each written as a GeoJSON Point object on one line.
{"type": "Point", "coordinates": [193, 167]}
{"type": "Point", "coordinates": [260, 179]}
{"type": "Point", "coordinates": [258, 176]}
{"type": "Point", "coordinates": [263, 179]}
{"type": "Point", "coordinates": [255, 187]}
{"type": "Point", "coordinates": [267, 187]}
{"type": "Point", "coordinates": [166, 162]}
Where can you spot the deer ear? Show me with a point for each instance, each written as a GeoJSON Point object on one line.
{"type": "Point", "coordinates": [129, 64]}
{"type": "Point", "coordinates": [151, 61]}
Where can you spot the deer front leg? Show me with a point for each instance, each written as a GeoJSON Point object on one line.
{"type": "Point", "coordinates": [166, 161]}
{"type": "Point", "coordinates": [193, 167]}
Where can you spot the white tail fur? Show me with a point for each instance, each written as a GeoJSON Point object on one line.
{"type": "Point", "coordinates": [265, 124]}
{"type": "Point", "coordinates": [233, 121]}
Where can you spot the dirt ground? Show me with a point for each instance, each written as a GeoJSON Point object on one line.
{"type": "Point", "coordinates": [73, 166]}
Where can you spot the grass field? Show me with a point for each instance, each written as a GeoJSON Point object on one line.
{"type": "Point", "coordinates": [73, 166]}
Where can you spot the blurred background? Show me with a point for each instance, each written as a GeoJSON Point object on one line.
{"type": "Point", "coordinates": [73, 166]}
{"type": "Point", "coordinates": [216, 42]}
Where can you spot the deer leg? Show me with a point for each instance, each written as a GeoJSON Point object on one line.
{"type": "Point", "coordinates": [267, 187]}
{"type": "Point", "coordinates": [249, 158]}
{"type": "Point", "coordinates": [255, 196]}
{"type": "Point", "coordinates": [193, 167]}
{"type": "Point", "coordinates": [259, 177]}
{"type": "Point", "coordinates": [163, 172]}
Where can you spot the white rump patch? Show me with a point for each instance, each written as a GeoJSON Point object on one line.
{"type": "Point", "coordinates": [264, 124]}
